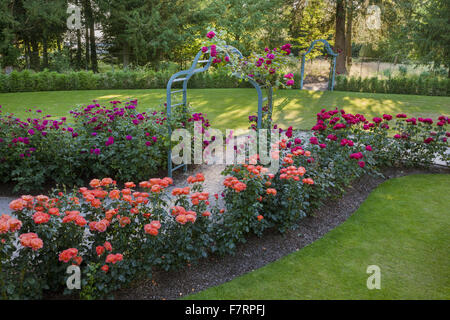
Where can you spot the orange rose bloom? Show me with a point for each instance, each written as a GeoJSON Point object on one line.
{"type": "Point", "coordinates": [156, 188]}
{"type": "Point", "coordinates": [106, 181]}
{"type": "Point", "coordinates": [101, 225]}
{"type": "Point", "coordinates": [108, 246]}
{"type": "Point", "coordinates": [100, 250]}
{"type": "Point", "coordinates": [181, 218]}
{"type": "Point", "coordinates": [41, 217]}
{"type": "Point", "coordinates": [114, 194]}
{"type": "Point", "coordinates": [36, 244]}
{"type": "Point", "coordinates": [17, 205]}
{"type": "Point", "coordinates": [124, 221]}
{"type": "Point", "coordinates": [260, 217]}
{"type": "Point", "coordinates": [95, 183]}
{"type": "Point", "coordinates": [78, 260]}
{"type": "Point", "coordinates": [206, 214]}
{"type": "Point", "coordinates": [54, 211]}
{"type": "Point", "coordinates": [68, 254]}
{"type": "Point", "coordinates": [129, 185]}
{"type": "Point", "coordinates": [14, 224]}
{"type": "Point", "coordinates": [149, 229]}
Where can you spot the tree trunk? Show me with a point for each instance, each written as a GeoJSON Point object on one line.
{"type": "Point", "coordinates": [58, 43]}
{"type": "Point", "coordinates": [44, 52]}
{"type": "Point", "coordinates": [339, 39]}
{"type": "Point", "coordinates": [34, 57]}
{"type": "Point", "coordinates": [78, 56]}
{"type": "Point", "coordinates": [87, 55]}
{"type": "Point", "coordinates": [348, 36]}
{"type": "Point", "coordinates": [126, 56]}
{"type": "Point", "coordinates": [27, 52]}
{"type": "Point", "coordinates": [91, 23]}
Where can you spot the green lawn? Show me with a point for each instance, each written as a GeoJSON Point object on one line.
{"type": "Point", "coordinates": [405, 233]}
{"type": "Point", "coordinates": [230, 108]}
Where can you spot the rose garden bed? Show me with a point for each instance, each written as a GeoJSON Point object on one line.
{"type": "Point", "coordinates": [120, 234]}
{"type": "Point", "coordinates": [125, 226]}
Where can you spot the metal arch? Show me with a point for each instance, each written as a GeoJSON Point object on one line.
{"type": "Point", "coordinates": [187, 75]}
{"type": "Point", "coordinates": [333, 66]}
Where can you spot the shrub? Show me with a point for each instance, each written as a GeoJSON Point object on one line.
{"type": "Point", "coordinates": [422, 85]}
{"type": "Point", "coordinates": [114, 141]}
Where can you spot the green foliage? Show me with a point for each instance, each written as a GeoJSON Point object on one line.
{"type": "Point", "coordinates": [314, 23]}
{"type": "Point", "coordinates": [87, 80]}
{"type": "Point", "coordinates": [420, 31]}
{"type": "Point", "coordinates": [420, 85]}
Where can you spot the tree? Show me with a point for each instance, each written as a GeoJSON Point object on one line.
{"type": "Point", "coordinates": [314, 22]}
{"type": "Point", "coordinates": [430, 34]}
{"type": "Point", "coordinates": [339, 39]}
{"type": "Point", "coordinates": [9, 53]}
{"type": "Point", "coordinates": [250, 24]}
{"type": "Point", "coordinates": [91, 46]}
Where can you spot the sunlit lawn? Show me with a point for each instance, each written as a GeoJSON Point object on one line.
{"type": "Point", "coordinates": [230, 108]}
{"type": "Point", "coordinates": [404, 233]}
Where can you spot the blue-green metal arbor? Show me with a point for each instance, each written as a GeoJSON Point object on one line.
{"type": "Point", "coordinates": [185, 75]}
{"type": "Point", "coordinates": [332, 67]}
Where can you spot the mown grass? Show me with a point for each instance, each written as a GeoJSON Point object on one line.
{"type": "Point", "coordinates": [404, 233]}
{"type": "Point", "coordinates": [230, 108]}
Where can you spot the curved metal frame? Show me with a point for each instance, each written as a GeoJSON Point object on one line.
{"type": "Point", "coordinates": [187, 75]}
{"type": "Point", "coordinates": [332, 68]}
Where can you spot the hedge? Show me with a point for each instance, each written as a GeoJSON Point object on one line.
{"type": "Point", "coordinates": [420, 85]}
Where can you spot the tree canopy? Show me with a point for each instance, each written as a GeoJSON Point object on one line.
{"type": "Point", "coordinates": [132, 33]}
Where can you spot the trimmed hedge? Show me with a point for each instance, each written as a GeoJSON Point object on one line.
{"type": "Point", "coordinates": [26, 81]}
{"type": "Point", "coordinates": [420, 85]}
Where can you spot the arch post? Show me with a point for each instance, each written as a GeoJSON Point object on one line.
{"type": "Point", "coordinates": [184, 76]}
{"type": "Point", "coordinates": [332, 68]}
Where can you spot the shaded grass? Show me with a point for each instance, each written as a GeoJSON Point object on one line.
{"type": "Point", "coordinates": [230, 108]}
{"type": "Point", "coordinates": [404, 233]}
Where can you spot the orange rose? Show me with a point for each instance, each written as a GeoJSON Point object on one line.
{"type": "Point", "coordinates": [14, 225]}
{"type": "Point", "coordinates": [130, 185]}
{"type": "Point", "coordinates": [17, 205]}
{"type": "Point", "coordinates": [114, 194]}
{"type": "Point", "coordinates": [108, 246]}
{"type": "Point", "coordinates": [54, 211]}
{"type": "Point", "coordinates": [78, 260]}
{"type": "Point", "coordinates": [95, 183]}
{"type": "Point", "coordinates": [181, 218]}
{"type": "Point", "coordinates": [206, 214]}
{"type": "Point", "coordinates": [149, 229]}
{"type": "Point", "coordinates": [106, 181]}
{"type": "Point", "coordinates": [100, 250]}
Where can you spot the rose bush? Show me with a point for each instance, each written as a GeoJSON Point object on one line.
{"type": "Point", "coordinates": [268, 68]}
{"type": "Point", "coordinates": [114, 141]}
{"type": "Point", "coordinates": [116, 235]}
{"type": "Point", "coordinates": [119, 235]}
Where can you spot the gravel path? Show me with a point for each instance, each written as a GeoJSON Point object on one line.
{"type": "Point", "coordinates": [317, 86]}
